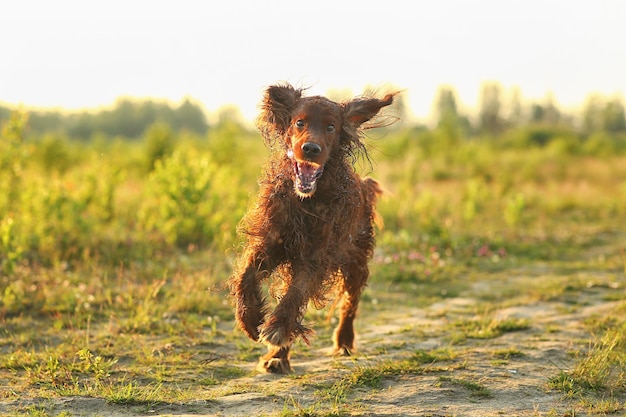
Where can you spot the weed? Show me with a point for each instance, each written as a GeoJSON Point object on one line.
{"type": "Point", "coordinates": [372, 376]}
{"type": "Point", "coordinates": [486, 327]}
{"type": "Point", "coordinates": [95, 364]}
{"type": "Point", "coordinates": [132, 394]}
{"type": "Point", "coordinates": [292, 408]}
{"type": "Point", "coordinates": [476, 389]}
{"type": "Point", "coordinates": [508, 353]}
{"type": "Point", "coordinates": [604, 363]}
{"type": "Point", "coordinates": [53, 373]}
{"type": "Point", "coordinates": [360, 376]}
{"type": "Point", "coordinates": [597, 379]}
{"type": "Point", "coordinates": [512, 325]}
{"type": "Point", "coordinates": [35, 411]}
{"type": "Point", "coordinates": [430, 357]}
{"type": "Point", "coordinates": [227, 372]}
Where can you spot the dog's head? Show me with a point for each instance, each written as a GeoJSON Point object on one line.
{"type": "Point", "coordinates": [310, 130]}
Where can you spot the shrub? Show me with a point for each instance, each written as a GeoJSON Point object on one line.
{"type": "Point", "coordinates": [159, 141]}
{"type": "Point", "coordinates": [599, 144]}
{"type": "Point", "coordinates": [54, 153]}
{"type": "Point", "coordinates": [190, 200]}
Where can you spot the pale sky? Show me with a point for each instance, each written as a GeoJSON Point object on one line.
{"type": "Point", "coordinates": [78, 53]}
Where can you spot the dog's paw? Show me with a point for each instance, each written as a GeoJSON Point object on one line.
{"type": "Point", "coordinates": [274, 366]}
{"type": "Point", "coordinates": [342, 351]}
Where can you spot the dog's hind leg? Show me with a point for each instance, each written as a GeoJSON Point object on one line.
{"type": "Point", "coordinates": [355, 278]}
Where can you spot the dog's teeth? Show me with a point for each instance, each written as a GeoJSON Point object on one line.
{"type": "Point", "coordinates": [307, 175]}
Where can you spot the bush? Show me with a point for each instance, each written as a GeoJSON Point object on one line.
{"type": "Point", "coordinates": [538, 135]}
{"type": "Point", "coordinates": [159, 143]}
{"type": "Point", "coordinates": [599, 144]}
{"type": "Point", "coordinates": [54, 154]}
{"type": "Point", "coordinates": [190, 200]}
{"type": "Point", "coordinates": [566, 145]}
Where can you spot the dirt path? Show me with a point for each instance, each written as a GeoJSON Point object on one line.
{"type": "Point", "coordinates": [495, 376]}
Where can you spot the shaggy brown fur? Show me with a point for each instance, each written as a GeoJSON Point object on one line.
{"type": "Point", "coordinates": [312, 226]}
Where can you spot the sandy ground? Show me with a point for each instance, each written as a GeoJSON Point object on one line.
{"type": "Point", "coordinates": [516, 386]}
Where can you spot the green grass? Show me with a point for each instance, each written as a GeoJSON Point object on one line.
{"type": "Point", "coordinates": [475, 389]}
{"type": "Point", "coordinates": [508, 353]}
{"type": "Point", "coordinates": [485, 326]}
{"type": "Point", "coordinates": [373, 375]}
{"type": "Point", "coordinates": [597, 380]}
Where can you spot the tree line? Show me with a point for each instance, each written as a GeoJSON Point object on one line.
{"type": "Point", "coordinates": [499, 110]}
{"type": "Point", "coordinates": [128, 118]}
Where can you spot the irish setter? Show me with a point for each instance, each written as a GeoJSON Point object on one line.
{"type": "Point", "coordinates": [311, 229]}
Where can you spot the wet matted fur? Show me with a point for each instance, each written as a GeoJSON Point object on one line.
{"type": "Point", "coordinates": [312, 227]}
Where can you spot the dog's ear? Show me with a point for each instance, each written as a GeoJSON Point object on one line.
{"type": "Point", "coordinates": [361, 110]}
{"type": "Point", "coordinates": [278, 102]}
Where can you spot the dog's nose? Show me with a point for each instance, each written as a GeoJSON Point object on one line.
{"type": "Point", "coordinates": [311, 150]}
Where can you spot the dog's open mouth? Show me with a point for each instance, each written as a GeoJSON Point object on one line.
{"type": "Point", "coordinates": [307, 174]}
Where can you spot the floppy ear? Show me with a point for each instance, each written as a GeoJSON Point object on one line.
{"type": "Point", "coordinates": [360, 110]}
{"type": "Point", "coordinates": [278, 102]}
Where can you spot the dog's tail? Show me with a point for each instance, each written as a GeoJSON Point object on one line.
{"type": "Point", "coordinates": [374, 191]}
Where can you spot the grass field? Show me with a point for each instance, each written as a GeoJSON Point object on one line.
{"type": "Point", "coordinates": [498, 285]}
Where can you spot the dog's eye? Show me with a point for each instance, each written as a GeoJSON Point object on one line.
{"type": "Point", "coordinates": [330, 128]}
{"type": "Point", "coordinates": [299, 123]}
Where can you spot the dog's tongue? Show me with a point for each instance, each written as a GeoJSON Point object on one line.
{"type": "Point", "coordinates": [307, 175]}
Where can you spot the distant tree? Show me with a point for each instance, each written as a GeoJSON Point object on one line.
{"type": "Point", "coordinates": [592, 114]}
{"type": "Point", "coordinates": [515, 117]}
{"type": "Point", "coordinates": [131, 118]}
{"type": "Point", "coordinates": [545, 113]}
{"type": "Point", "coordinates": [600, 114]}
{"type": "Point", "coordinates": [446, 107]}
{"type": "Point", "coordinates": [46, 121]}
{"type": "Point", "coordinates": [80, 126]}
{"type": "Point", "coordinates": [613, 119]}
{"type": "Point", "coordinates": [228, 115]}
{"type": "Point", "coordinates": [5, 113]}
{"type": "Point", "coordinates": [190, 116]}
{"type": "Point", "coordinates": [552, 115]}
{"type": "Point", "coordinates": [125, 120]}
{"type": "Point", "coordinates": [537, 113]}
{"type": "Point", "coordinates": [449, 121]}
{"type": "Point", "coordinates": [490, 117]}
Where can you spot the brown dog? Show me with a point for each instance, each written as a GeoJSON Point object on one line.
{"type": "Point", "coordinates": [312, 226]}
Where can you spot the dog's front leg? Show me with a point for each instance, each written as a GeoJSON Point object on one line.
{"type": "Point", "coordinates": [285, 324]}
{"type": "Point", "coordinates": [250, 305]}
